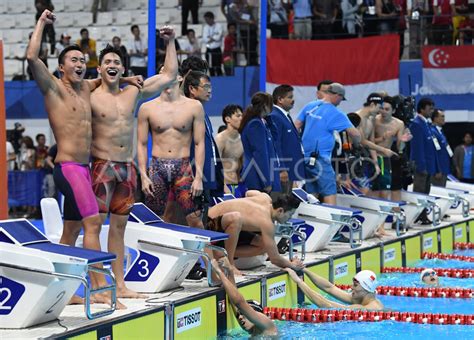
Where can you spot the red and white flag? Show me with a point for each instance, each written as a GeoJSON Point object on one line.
{"type": "Point", "coordinates": [362, 65]}
{"type": "Point", "coordinates": [448, 69]}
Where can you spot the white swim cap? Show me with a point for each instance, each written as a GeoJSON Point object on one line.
{"type": "Point", "coordinates": [367, 279]}
{"type": "Point", "coordinates": [426, 271]}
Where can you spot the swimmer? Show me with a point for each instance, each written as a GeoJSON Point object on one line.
{"type": "Point", "coordinates": [429, 277]}
{"type": "Point", "coordinates": [258, 216]}
{"type": "Point", "coordinates": [361, 297]}
{"type": "Point", "coordinates": [114, 175]}
{"type": "Point", "coordinates": [249, 313]}
{"type": "Point", "coordinates": [231, 148]}
{"type": "Point", "coordinates": [67, 102]}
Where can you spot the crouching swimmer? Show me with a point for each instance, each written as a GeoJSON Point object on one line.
{"type": "Point", "coordinates": [248, 312]}
{"type": "Point", "coordinates": [361, 297]}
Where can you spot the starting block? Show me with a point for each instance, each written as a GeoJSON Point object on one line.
{"type": "Point", "coordinates": [459, 198]}
{"type": "Point", "coordinates": [423, 201]}
{"type": "Point", "coordinates": [453, 183]}
{"type": "Point", "coordinates": [323, 221]}
{"type": "Point", "coordinates": [374, 210]}
{"type": "Point", "coordinates": [38, 278]}
{"type": "Point", "coordinates": [166, 252]}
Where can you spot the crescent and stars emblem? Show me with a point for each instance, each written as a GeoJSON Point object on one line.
{"type": "Point", "coordinates": [437, 57]}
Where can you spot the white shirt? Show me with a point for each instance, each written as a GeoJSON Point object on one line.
{"type": "Point", "coordinates": [10, 150]}
{"type": "Point", "coordinates": [214, 32]}
{"type": "Point", "coordinates": [137, 46]}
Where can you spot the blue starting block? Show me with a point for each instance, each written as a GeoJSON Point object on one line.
{"type": "Point", "coordinates": [38, 278]}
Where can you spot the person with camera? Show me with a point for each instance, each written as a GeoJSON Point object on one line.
{"type": "Point", "coordinates": [320, 119]}
{"type": "Point", "coordinates": [445, 153]}
{"type": "Point", "coordinates": [423, 151]}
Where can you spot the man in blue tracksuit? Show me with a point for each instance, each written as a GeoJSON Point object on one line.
{"type": "Point", "coordinates": [444, 153]}
{"type": "Point", "coordinates": [423, 150]}
{"type": "Point", "coordinates": [286, 138]}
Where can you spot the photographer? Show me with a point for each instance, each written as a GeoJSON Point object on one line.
{"type": "Point", "coordinates": [423, 151]}
{"type": "Point", "coordinates": [320, 119]}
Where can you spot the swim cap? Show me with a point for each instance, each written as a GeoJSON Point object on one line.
{"type": "Point", "coordinates": [426, 272]}
{"type": "Point", "coordinates": [255, 305]}
{"type": "Point", "coordinates": [367, 280]}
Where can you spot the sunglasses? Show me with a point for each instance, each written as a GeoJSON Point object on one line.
{"type": "Point", "coordinates": [431, 273]}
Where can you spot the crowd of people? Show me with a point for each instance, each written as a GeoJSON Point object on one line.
{"type": "Point", "coordinates": [438, 22]}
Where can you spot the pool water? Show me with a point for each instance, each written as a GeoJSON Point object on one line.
{"type": "Point", "coordinates": [466, 252]}
{"type": "Point", "coordinates": [437, 263]}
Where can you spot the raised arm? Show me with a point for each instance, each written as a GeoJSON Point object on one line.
{"type": "Point", "coordinates": [154, 85]}
{"type": "Point", "coordinates": [327, 286]}
{"type": "Point", "coordinates": [142, 150]}
{"type": "Point", "coordinates": [261, 321]}
{"type": "Point", "coordinates": [43, 77]}
{"type": "Point", "coordinates": [199, 131]}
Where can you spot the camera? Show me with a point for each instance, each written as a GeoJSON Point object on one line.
{"type": "Point", "coordinates": [404, 108]}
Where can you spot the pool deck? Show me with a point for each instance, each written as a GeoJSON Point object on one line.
{"type": "Point", "coordinates": [73, 321]}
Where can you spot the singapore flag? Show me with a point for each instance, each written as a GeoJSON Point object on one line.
{"type": "Point", "coordinates": [448, 69]}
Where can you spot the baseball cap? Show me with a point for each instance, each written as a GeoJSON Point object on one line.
{"type": "Point", "coordinates": [374, 98]}
{"type": "Point", "coordinates": [367, 279]}
{"type": "Point", "coordinates": [337, 88]}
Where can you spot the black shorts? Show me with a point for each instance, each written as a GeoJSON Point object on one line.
{"type": "Point", "coordinates": [397, 183]}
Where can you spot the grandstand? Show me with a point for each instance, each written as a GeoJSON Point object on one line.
{"type": "Point", "coordinates": [17, 19]}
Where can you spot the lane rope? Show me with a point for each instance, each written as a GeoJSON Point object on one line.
{"type": "Point", "coordinates": [449, 272]}
{"type": "Point", "coordinates": [425, 292]}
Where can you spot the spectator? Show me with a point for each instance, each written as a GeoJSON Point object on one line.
{"type": "Point", "coordinates": [17, 136]}
{"type": "Point", "coordinates": [64, 41]}
{"type": "Point", "coordinates": [466, 30]}
{"type": "Point", "coordinates": [191, 46]}
{"type": "Point", "coordinates": [325, 12]}
{"type": "Point", "coordinates": [27, 154]}
{"type": "Point", "coordinates": [49, 188]}
{"type": "Point", "coordinates": [212, 37]}
{"type": "Point", "coordinates": [423, 151]}
{"type": "Point", "coordinates": [418, 18]}
{"type": "Point", "coordinates": [320, 119]}
{"type": "Point", "coordinates": [460, 13]}
{"type": "Point", "coordinates": [369, 15]}
{"type": "Point", "coordinates": [117, 43]}
{"type": "Point", "coordinates": [186, 7]}
{"type": "Point", "coordinates": [302, 19]}
{"type": "Point", "coordinates": [444, 152]}
{"type": "Point", "coordinates": [241, 14]}
{"type": "Point", "coordinates": [442, 22]}
{"type": "Point", "coordinates": [261, 164]}
{"type": "Point", "coordinates": [387, 22]}
{"type": "Point", "coordinates": [48, 33]}
{"type": "Point", "coordinates": [11, 157]}
{"type": "Point", "coordinates": [231, 48]}
{"type": "Point", "coordinates": [41, 151]}
{"type": "Point", "coordinates": [464, 159]}
{"type": "Point", "coordinates": [278, 20]}
{"type": "Point", "coordinates": [138, 51]}
{"type": "Point", "coordinates": [350, 21]}
{"type": "Point", "coordinates": [401, 25]}
{"type": "Point", "coordinates": [95, 8]}
{"type": "Point", "coordinates": [88, 47]}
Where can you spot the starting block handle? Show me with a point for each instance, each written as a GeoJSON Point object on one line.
{"type": "Point", "coordinates": [210, 281]}
{"type": "Point", "coordinates": [466, 207]}
{"type": "Point", "coordinates": [355, 227]}
{"type": "Point", "coordinates": [401, 222]}
{"type": "Point", "coordinates": [88, 292]}
{"type": "Point", "coordinates": [436, 214]}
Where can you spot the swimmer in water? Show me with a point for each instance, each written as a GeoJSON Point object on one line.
{"type": "Point", "coordinates": [429, 277]}
{"type": "Point", "coordinates": [361, 297]}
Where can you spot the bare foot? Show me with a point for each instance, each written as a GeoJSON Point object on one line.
{"type": "Point", "coordinates": [235, 271]}
{"type": "Point", "coordinates": [105, 299]}
{"type": "Point", "coordinates": [129, 294]}
{"type": "Point", "coordinates": [76, 300]}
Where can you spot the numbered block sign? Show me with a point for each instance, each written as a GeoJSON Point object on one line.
{"type": "Point", "coordinates": [143, 267]}
{"type": "Point", "coordinates": [10, 293]}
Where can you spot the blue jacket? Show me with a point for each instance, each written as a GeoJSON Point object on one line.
{"type": "Point", "coordinates": [422, 149]}
{"type": "Point", "coordinates": [444, 161]}
{"type": "Point", "coordinates": [288, 145]}
{"type": "Point", "coordinates": [259, 152]}
{"type": "Point", "coordinates": [213, 174]}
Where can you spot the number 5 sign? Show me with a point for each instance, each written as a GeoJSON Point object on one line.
{"type": "Point", "coordinates": [10, 293]}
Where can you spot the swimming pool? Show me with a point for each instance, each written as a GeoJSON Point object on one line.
{"type": "Point", "coordinates": [392, 329]}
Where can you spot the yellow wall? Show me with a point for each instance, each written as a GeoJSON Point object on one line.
{"type": "Point", "coordinates": [392, 255]}
{"type": "Point", "coordinates": [412, 250]}
{"type": "Point", "coordinates": [284, 292]}
{"type": "Point", "coordinates": [447, 240]}
{"type": "Point", "coordinates": [151, 326]}
{"type": "Point", "coordinates": [344, 269]}
{"type": "Point", "coordinates": [208, 321]}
